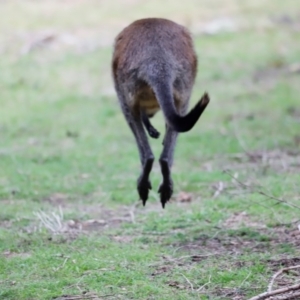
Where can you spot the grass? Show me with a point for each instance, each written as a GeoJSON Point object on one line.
{"type": "Point", "coordinates": [64, 143]}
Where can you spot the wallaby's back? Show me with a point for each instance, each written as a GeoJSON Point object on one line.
{"type": "Point", "coordinates": [155, 62]}
{"type": "Point", "coordinates": [158, 41]}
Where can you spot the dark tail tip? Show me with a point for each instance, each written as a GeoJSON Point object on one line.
{"type": "Point", "coordinates": [186, 123]}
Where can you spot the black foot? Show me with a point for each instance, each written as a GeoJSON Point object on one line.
{"type": "Point", "coordinates": [165, 190]}
{"type": "Point", "coordinates": [150, 129]}
{"type": "Point", "coordinates": [143, 188]}
{"type": "Point", "coordinates": [153, 132]}
{"type": "Point", "coordinates": [143, 184]}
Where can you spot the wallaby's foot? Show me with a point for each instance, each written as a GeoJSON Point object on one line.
{"type": "Point", "coordinates": [150, 129]}
{"type": "Point", "coordinates": [144, 185]}
{"type": "Point", "coordinates": [153, 132]}
{"type": "Point", "coordinates": [165, 190]}
{"type": "Point", "coordinates": [143, 188]}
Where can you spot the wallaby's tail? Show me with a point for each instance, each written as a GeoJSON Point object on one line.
{"type": "Point", "coordinates": [165, 99]}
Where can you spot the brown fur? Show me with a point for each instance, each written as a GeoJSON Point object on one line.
{"type": "Point", "coordinates": [154, 67]}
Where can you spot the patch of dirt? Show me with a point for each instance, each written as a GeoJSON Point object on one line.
{"type": "Point", "coordinates": [286, 272]}
{"type": "Point", "coordinates": [57, 199]}
{"type": "Point", "coordinates": [93, 295]}
{"type": "Point", "coordinates": [284, 161]}
{"type": "Point", "coordinates": [123, 238]}
{"type": "Point", "coordinates": [184, 197]}
{"type": "Point", "coordinates": [239, 241]}
{"type": "Point", "coordinates": [9, 254]}
{"type": "Point", "coordinates": [240, 220]}
{"type": "Point", "coordinates": [224, 245]}
{"type": "Point", "coordinates": [276, 264]}
{"type": "Point", "coordinates": [81, 40]}
{"type": "Point", "coordinates": [177, 285]}
{"type": "Point", "coordinates": [56, 223]}
{"type": "Point", "coordinates": [231, 293]}
{"type": "Point", "coordinates": [292, 22]}
{"type": "Point", "coordinates": [161, 270]}
{"type": "Point", "coordinates": [6, 224]}
{"type": "Point", "coordinates": [89, 217]}
{"type": "Point", "coordinates": [233, 243]}
{"type": "Point", "coordinates": [82, 296]}
{"type": "Point", "coordinates": [294, 112]}
{"type": "Point", "coordinates": [276, 69]}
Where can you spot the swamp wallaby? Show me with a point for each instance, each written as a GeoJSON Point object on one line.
{"type": "Point", "coordinates": [154, 67]}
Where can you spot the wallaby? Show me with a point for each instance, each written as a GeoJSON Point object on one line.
{"type": "Point", "coordinates": [154, 66]}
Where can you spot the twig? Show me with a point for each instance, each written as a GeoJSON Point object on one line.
{"type": "Point", "coordinates": [191, 285]}
{"type": "Point", "coordinates": [219, 189]}
{"type": "Point", "coordinates": [295, 296]}
{"type": "Point", "coordinates": [132, 216]}
{"type": "Point", "coordinates": [132, 211]}
{"type": "Point", "coordinates": [234, 177]}
{"type": "Point", "coordinates": [111, 295]}
{"type": "Point", "coordinates": [266, 295]}
{"type": "Point", "coordinates": [190, 256]}
{"type": "Point", "coordinates": [174, 252]}
{"type": "Point", "coordinates": [81, 297]}
{"type": "Point", "coordinates": [245, 279]}
{"type": "Point", "coordinates": [240, 141]}
{"type": "Point", "coordinates": [260, 192]}
{"type": "Point", "coordinates": [270, 286]}
{"type": "Point", "coordinates": [171, 260]}
{"type": "Point", "coordinates": [66, 259]}
{"type": "Point", "coordinates": [65, 262]}
{"type": "Point", "coordinates": [205, 284]}
{"type": "Point", "coordinates": [278, 199]}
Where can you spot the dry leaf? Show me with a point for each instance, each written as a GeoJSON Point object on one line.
{"type": "Point", "coordinates": [184, 197]}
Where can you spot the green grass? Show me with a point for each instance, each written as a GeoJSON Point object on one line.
{"type": "Point", "coordinates": [64, 142]}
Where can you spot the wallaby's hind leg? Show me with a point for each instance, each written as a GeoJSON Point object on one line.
{"type": "Point", "coordinates": [143, 184]}
{"type": "Point", "coordinates": [146, 155]}
{"type": "Point", "coordinates": [166, 161]}
{"type": "Point", "coordinates": [151, 130]}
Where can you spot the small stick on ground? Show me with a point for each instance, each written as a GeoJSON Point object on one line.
{"type": "Point", "coordinates": [191, 285]}
{"type": "Point", "coordinates": [245, 279]}
{"type": "Point", "coordinates": [255, 190]}
{"type": "Point", "coordinates": [270, 286]}
{"type": "Point", "coordinates": [174, 260]}
{"type": "Point", "coordinates": [80, 297]}
{"type": "Point", "coordinates": [204, 285]}
{"type": "Point", "coordinates": [289, 296]}
{"type": "Point", "coordinates": [287, 289]}
{"type": "Point", "coordinates": [219, 189]}
{"type": "Point", "coordinates": [132, 211]}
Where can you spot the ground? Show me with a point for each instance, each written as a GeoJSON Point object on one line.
{"type": "Point", "coordinates": [71, 225]}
